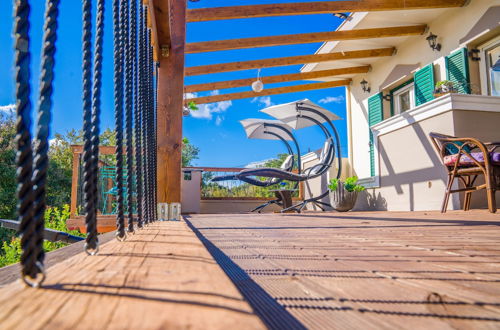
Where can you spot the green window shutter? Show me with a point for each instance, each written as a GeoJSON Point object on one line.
{"type": "Point", "coordinates": [424, 85]}
{"type": "Point", "coordinates": [375, 115]}
{"type": "Point", "coordinates": [457, 70]}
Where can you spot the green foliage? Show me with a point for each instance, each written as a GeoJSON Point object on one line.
{"type": "Point", "coordinates": [192, 106]}
{"type": "Point", "coordinates": [55, 218]}
{"type": "Point", "coordinates": [189, 153]}
{"type": "Point", "coordinates": [350, 184]}
{"type": "Point", "coordinates": [7, 167]}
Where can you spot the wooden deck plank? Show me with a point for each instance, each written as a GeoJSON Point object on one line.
{"type": "Point", "coordinates": [161, 277]}
{"type": "Point", "coordinates": [388, 270]}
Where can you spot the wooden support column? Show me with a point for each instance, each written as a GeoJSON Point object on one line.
{"type": "Point", "coordinates": [74, 181]}
{"type": "Point", "coordinates": [171, 25]}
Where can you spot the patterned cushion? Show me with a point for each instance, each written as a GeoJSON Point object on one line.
{"type": "Point", "coordinates": [467, 161]}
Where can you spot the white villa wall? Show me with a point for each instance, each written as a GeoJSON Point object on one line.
{"type": "Point", "coordinates": [413, 180]}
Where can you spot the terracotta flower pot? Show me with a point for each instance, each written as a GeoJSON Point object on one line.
{"type": "Point", "coordinates": [343, 200]}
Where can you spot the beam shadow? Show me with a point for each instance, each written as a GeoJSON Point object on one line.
{"type": "Point", "coordinates": [271, 312]}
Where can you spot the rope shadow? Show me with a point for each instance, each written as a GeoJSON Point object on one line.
{"type": "Point", "coordinates": [142, 297]}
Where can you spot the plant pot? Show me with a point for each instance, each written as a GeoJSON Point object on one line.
{"type": "Point", "coordinates": [343, 200]}
{"type": "Point", "coordinates": [436, 95]}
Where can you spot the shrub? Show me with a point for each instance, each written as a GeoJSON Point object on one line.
{"type": "Point", "coordinates": [350, 184]}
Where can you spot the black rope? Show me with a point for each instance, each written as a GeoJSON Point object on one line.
{"type": "Point", "coordinates": [89, 175]}
{"type": "Point", "coordinates": [128, 115]}
{"type": "Point", "coordinates": [41, 159]}
{"type": "Point", "coordinates": [150, 129]}
{"type": "Point", "coordinates": [24, 156]}
{"type": "Point", "coordinates": [138, 118]}
{"type": "Point", "coordinates": [91, 244]}
{"type": "Point", "coordinates": [155, 146]}
{"type": "Point", "coordinates": [118, 26]}
{"type": "Point", "coordinates": [145, 124]}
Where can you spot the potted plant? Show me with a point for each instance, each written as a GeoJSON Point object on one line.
{"type": "Point", "coordinates": [343, 195]}
{"type": "Point", "coordinates": [444, 87]}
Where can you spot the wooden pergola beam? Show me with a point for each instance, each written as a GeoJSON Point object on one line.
{"type": "Point", "coordinates": [275, 79]}
{"type": "Point", "coordinates": [284, 61]}
{"type": "Point", "coordinates": [151, 23]}
{"type": "Point", "coordinates": [303, 38]}
{"type": "Point", "coordinates": [319, 7]}
{"type": "Point", "coordinates": [171, 13]}
{"type": "Point", "coordinates": [266, 92]}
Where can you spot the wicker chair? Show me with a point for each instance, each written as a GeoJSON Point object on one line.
{"type": "Point", "coordinates": [466, 159]}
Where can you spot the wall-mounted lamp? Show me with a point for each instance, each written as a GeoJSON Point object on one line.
{"type": "Point", "coordinates": [343, 16]}
{"type": "Point", "coordinates": [364, 85]}
{"type": "Point", "coordinates": [474, 54]}
{"type": "Point", "coordinates": [387, 97]}
{"type": "Point", "coordinates": [432, 40]}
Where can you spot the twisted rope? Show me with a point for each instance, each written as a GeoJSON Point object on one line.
{"type": "Point", "coordinates": [88, 161]}
{"type": "Point", "coordinates": [92, 242]}
{"type": "Point", "coordinates": [128, 114]}
{"type": "Point", "coordinates": [41, 159]}
{"type": "Point", "coordinates": [155, 146]}
{"type": "Point", "coordinates": [118, 27]}
{"type": "Point", "coordinates": [138, 120]}
{"type": "Point", "coordinates": [24, 156]}
{"type": "Point", "coordinates": [145, 135]}
{"type": "Point", "coordinates": [151, 130]}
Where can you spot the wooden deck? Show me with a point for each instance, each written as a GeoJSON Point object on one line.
{"type": "Point", "coordinates": [415, 270]}
{"type": "Point", "coordinates": [160, 278]}
{"type": "Point", "coordinates": [419, 270]}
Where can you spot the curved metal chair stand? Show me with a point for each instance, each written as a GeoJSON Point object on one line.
{"type": "Point", "coordinates": [326, 160]}
{"type": "Point", "coordinates": [288, 165]}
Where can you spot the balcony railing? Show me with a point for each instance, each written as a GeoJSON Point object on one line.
{"type": "Point", "coordinates": [235, 189]}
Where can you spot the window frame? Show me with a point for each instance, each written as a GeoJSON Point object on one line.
{"type": "Point", "coordinates": [483, 68]}
{"type": "Point", "coordinates": [407, 85]}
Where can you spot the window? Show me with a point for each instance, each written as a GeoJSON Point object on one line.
{"type": "Point", "coordinates": [404, 98]}
{"type": "Point", "coordinates": [493, 69]}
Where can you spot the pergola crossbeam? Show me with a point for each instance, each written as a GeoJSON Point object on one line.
{"type": "Point", "coordinates": [276, 79]}
{"type": "Point", "coordinates": [319, 7]}
{"type": "Point", "coordinates": [284, 61]}
{"type": "Point", "coordinates": [293, 39]}
{"type": "Point", "coordinates": [267, 92]}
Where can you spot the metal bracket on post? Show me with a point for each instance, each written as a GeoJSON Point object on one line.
{"type": "Point", "coordinates": [165, 51]}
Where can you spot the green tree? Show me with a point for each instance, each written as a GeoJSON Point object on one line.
{"type": "Point", "coordinates": [189, 153]}
{"type": "Point", "coordinates": [7, 166]}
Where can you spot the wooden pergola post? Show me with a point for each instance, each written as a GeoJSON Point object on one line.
{"type": "Point", "coordinates": [172, 39]}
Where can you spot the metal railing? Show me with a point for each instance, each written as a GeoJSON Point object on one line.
{"type": "Point", "coordinates": [236, 189]}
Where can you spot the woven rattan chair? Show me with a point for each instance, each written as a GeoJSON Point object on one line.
{"type": "Point", "coordinates": [466, 159]}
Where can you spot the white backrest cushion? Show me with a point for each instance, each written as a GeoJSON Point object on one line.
{"type": "Point", "coordinates": [287, 163]}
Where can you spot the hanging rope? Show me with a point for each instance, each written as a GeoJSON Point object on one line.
{"type": "Point", "coordinates": [138, 118]}
{"type": "Point", "coordinates": [31, 267]}
{"type": "Point", "coordinates": [89, 175]}
{"type": "Point", "coordinates": [150, 128]}
{"type": "Point", "coordinates": [92, 243]}
{"type": "Point", "coordinates": [155, 125]}
{"type": "Point", "coordinates": [145, 124]}
{"type": "Point", "coordinates": [128, 115]}
{"type": "Point", "coordinates": [41, 159]}
{"type": "Point", "coordinates": [118, 95]}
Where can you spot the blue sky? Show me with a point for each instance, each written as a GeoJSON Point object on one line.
{"type": "Point", "coordinates": [216, 130]}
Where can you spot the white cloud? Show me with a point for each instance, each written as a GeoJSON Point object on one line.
{"type": "Point", "coordinates": [263, 100]}
{"type": "Point", "coordinates": [332, 99]}
{"type": "Point", "coordinates": [206, 111]}
{"type": "Point", "coordinates": [9, 108]}
{"type": "Point", "coordinates": [219, 120]}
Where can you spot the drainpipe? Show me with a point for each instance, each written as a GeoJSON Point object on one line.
{"type": "Point", "coordinates": [349, 130]}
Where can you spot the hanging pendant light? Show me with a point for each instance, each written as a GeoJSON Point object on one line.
{"type": "Point", "coordinates": [258, 85]}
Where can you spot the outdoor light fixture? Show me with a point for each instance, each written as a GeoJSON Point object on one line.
{"type": "Point", "coordinates": [387, 97]}
{"type": "Point", "coordinates": [258, 85]}
{"type": "Point", "coordinates": [432, 40]}
{"type": "Point", "coordinates": [474, 54]}
{"type": "Point", "coordinates": [364, 85]}
{"type": "Point", "coordinates": [342, 16]}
